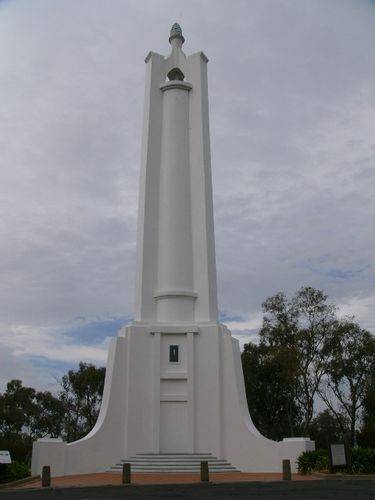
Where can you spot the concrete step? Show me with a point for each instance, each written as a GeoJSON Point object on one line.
{"type": "Point", "coordinates": [174, 462]}
{"type": "Point", "coordinates": [177, 457]}
{"type": "Point", "coordinates": [171, 464]}
{"type": "Point", "coordinates": [225, 464]}
{"type": "Point", "coordinates": [185, 467]}
{"type": "Point", "coordinates": [173, 470]}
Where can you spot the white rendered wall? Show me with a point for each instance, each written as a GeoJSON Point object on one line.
{"type": "Point", "coordinates": [176, 248]}
{"type": "Point", "coordinates": [151, 406]}
{"type": "Point", "coordinates": [105, 441]}
{"type": "Point", "coordinates": [175, 295]}
{"type": "Point", "coordinates": [201, 192]}
{"type": "Point", "coordinates": [148, 203]}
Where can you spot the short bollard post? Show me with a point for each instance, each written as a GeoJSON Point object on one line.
{"type": "Point", "coordinates": [46, 476]}
{"type": "Point", "coordinates": [287, 474]}
{"type": "Point", "coordinates": [126, 474]}
{"type": "Point", "coordinates": [204, 471]}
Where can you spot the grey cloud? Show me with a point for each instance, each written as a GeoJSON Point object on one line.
{"type": "Point", "coordinates": [292, 126]}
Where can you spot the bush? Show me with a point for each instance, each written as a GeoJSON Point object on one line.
{"type": "Point", "coordinates": [13, 471]}
{"type": "Point", "coordinates": [363, 460]}
{"type": "Point", "coordinates": [366, 436]}
{"type": "Point", "coordinates": [19, 446]}
{"type": "Point", "coordinates": [310, 461]}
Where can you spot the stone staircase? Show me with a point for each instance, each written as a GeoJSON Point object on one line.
{"type": "Point", "coordinates": [173, 462]}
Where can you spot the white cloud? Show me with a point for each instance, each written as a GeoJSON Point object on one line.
{"type": "Point", "coordinates": [13, 367]}
{"type": "Point", "coordinates": [51, 343]}
{"type": "Point", "coordinates": [362, 308]}
{"type": "Point", "coordinates": [39, 354]}
{"type": "Point", "coordinates": [253, 323]}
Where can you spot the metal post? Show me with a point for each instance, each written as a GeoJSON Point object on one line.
{"type": "Point", "coordinates": [46, 476]}
{"type": "Point", "coordinates": [287, 474]}
{"type": "Point", "coordinates": [126, 474]}
{"type": "Point", "coordinates": [330, 461]}
{"type": "Point", "coordinates": [204, 471]}
{"type": "Point", "coordinates": [348, 457]}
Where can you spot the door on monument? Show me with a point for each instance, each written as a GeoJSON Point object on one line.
{"type": "Point", "coordinates": [173, 427]}
{"type": "Point", "coordinates": [174, 435]}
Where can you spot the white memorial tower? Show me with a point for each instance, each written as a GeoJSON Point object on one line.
{"type": "Point", "coordinates": [174, 390]}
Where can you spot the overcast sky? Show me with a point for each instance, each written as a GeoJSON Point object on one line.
{"type": "Point", "coordinates": [292, 117]}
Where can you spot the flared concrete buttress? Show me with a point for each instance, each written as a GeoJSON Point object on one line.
{"type": "Point", "coordinates": [174, 381]}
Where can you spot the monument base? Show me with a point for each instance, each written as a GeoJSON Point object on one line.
{"type": "Point", "coordinates": [156, 401]}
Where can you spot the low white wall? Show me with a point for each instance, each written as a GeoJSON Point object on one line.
{"type": "Point", "coordinates": [104, 444]}
{"type": "Point", "coordinates": [50, 452]}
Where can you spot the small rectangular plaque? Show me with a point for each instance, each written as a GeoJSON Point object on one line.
{"type": "Point", "coordinates": [173, 353]}
{"type": "Point", "coordinates": [338, 455]}
{"type": "Point", "coordinates": [5, 457]}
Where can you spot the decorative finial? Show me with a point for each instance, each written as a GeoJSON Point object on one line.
{"type": "Point", "coordinates": [176, 32]}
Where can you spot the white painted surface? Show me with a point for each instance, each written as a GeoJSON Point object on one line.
{"type": "Point", "coordinates": [151, 405]}
{"type": "Point", "coordinates": [50, 452]}
{"type": "Point", "coordinates": [174, 433]}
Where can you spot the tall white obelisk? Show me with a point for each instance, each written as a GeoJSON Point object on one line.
{"type": "Point", "coordinates": [174, 382]}
{"type": "Point", "coordinates": [176, 277]}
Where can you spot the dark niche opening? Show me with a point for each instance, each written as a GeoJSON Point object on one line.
{"type": "Point", "coordinates": [175, 74]}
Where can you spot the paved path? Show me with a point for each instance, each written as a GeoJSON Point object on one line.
{"type": "Point", "coordinates": [106, 478]}
{"type": "Point", "coordinates": [301, 490]}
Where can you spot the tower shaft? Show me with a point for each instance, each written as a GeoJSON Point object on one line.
{"type": "Point", "coordinates": [176, 272]}
{"type": "Point", "coordinates": [175, 294]}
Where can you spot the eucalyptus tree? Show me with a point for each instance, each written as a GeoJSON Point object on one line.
{"type": "Point", "coordinates": [349, 371]}
{"type": "Point", "coordinates": [270, 390]}
{"type": "Point", "coordinates": [81, 395]}
{"type": "Point", "coordinates": [305, 325]}
{"type": "Point", "coordinates": [366, 435]}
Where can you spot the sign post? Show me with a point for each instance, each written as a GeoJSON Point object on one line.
{"type": "Point", "coordinates": [5, 457]}
{"type": "Point", "coordinates": [339, 457]}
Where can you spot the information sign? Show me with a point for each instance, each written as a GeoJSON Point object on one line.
{"type": "Point", "coordinates": [338, 455]}
{"type": "Point", "coordinates": [5, 457]}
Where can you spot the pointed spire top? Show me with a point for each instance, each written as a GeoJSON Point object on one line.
{"type": "Point", "coordinates": [176, 32]}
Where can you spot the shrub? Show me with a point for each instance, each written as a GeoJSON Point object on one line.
{"type": "Point", "coordinates": [310, 461]}
{"type": "Point", "coordinates": [19, 446]}
{"type": "Point", "coordinates": [363, 460]}
{"type": "Point", "coordinates": [366, 436]}
{"type": "Point", "coordinates": [13, 471]}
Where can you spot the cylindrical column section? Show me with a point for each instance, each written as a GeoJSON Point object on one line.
{"type": "Point", "coordinates": [175, 295]}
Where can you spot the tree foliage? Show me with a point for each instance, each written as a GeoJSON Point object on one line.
{"type": "Point", "coordinates": [305, 353]}
{"type": "Point", "coordinates": [324, 429]}
{"type": "Point", "coordinates": [305, 326]}
{"type": "Point", "coordinates": [17, 408]}
{"type": "Point", "coordinates": [26, 414]}
{"type": "Point", "coordinates": [81, 395]}
{"type": "Point", "coordinates": [350, 364]}
{"type": "Point", "coordinates": [366, 435]}
{"type": "Point", "coordinates": [270, 390]}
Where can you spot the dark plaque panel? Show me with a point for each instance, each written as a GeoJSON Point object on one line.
{"type": "Point", "coordinates": [173, 353]}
